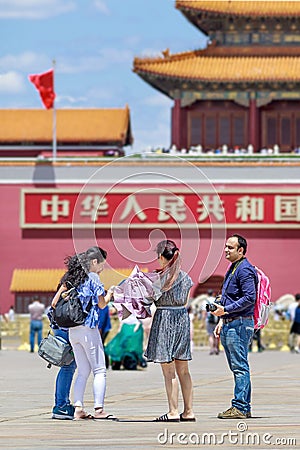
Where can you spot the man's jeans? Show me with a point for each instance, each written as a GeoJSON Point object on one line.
{"type": "Point", "coordinates": [235, 338]}
{"type": "Point", "coordinates": [64, 377]}
{"type": "Point", "coordinates": [36, 327]}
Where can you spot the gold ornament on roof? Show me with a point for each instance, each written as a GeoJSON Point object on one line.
{"type": "Point", "coordinates": [166, 53]}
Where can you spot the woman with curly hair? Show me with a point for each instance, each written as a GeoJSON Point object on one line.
{"type": "Point", "coordinates": [169, 339]}
{"type": "Point", "coordinates": [82, 273]}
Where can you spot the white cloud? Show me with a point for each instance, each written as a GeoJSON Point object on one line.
{"type": "Point", "coordinates": [11, 83]}
{"type": "Point", "coordinates": [106, 58]}
{"type": "Point", "coordinates": [34, 63]}
{"type": "Point", "coordinates": [101, 6]}
{"type": "Point", "coordinates": [27, 61]}
{"type": "Point", "coordinates": [68, 100]}
{"type": "Point", "coordinates": [34, 9]}
{"type": "Point", "coordinates": [150, 53]}
{"type": "Point", "coordinates": [91, 99]}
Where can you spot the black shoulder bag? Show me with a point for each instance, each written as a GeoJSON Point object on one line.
{"type": "Point", "coordinates": [68, 312]}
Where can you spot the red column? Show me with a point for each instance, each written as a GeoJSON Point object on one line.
{"type": "Point", "coordinates": [176, 123]}
{"type": "Point", "coordinates": [253, 123]}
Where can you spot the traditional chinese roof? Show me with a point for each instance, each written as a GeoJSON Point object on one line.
{"type": "Point", "coordinates": [46, 280]}
{"type": "Point", "coordinates": [168, 73]}
{"type": "Point", "coordinates": [34, 280]}
{"type": "Point", "coordinates": [84, 126]}
{"type": "Point", "coordinates": [255, 8]}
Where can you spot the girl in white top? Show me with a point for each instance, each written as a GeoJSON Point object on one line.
{"type": "Point", "coordinates": [83, 273]}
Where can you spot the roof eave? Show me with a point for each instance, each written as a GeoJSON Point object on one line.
{"type": "Point", "coordinates": [151, 78]}
{"type": "Point", "coordinates": [160, 82]}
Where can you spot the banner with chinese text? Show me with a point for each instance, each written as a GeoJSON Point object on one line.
{"type": "Point", "coordinates": [168, 207]}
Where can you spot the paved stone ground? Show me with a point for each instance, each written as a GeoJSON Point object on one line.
{"type": "Point", "coordinates": [137, 397]}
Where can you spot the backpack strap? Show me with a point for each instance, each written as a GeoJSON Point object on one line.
{"type": "Point", "coordinates": [230, 275]}
{"type": "Point", "coordinates": [89, 305]}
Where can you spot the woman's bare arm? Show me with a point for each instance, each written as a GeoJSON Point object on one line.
{"type": "Point", "coordinates": [103, 300]}
{"type": "Point", "coordinates": [57, 295]}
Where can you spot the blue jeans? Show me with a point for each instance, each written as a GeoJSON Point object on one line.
{"type": "Point", "coordinates": [64, 377]}
{"type": "Point", "coordinates": [235, 338]}
{"type": "Point", "coordinates": [36, 327]}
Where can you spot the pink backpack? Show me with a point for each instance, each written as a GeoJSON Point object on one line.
{"type": "Point", "coordinates": [263, 300]}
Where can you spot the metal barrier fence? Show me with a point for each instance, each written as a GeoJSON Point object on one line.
{"type": "Point", "coordinates": [275, 336]}
{"type": "Point", "coordinates": [16, 334]}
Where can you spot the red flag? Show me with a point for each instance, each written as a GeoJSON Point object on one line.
{"type": "Point", "coordinates": [44, 84]}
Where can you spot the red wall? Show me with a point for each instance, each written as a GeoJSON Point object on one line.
{"type": "Point", "coordinates": [275, 251]}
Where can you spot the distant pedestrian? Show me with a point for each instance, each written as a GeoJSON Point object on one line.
{"type": "Point", "coordinates": [210, 324]}
{"type": "Point", "coordinates": [11, 314]}
{"type": "Point", "coordinates": [104, 327]}
{"type": "Point", "coordinates": [291, 316]}
{"type": "Point", "coordinates": [4, 317]}
{"type": "Point", "coordinates": [36, 310]}
{"type": "Point", "coordinates": [257, 338]}
{"type": "Point", "coordinates": [126, 347]}
{"type": "Point", "coordinates": [104, 323]}
{"type": "Point", "coordinates": [296, 326]}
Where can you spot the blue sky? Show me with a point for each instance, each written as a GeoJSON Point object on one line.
{"type": "Point", "coordinates": [94, 43]}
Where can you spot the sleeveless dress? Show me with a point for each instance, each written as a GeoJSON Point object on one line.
{"type": "Point", "coordinates": [169, 337]}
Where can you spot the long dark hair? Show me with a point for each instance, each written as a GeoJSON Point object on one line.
{"type": "Point", "coordinates": [169, 250]}
{"type": "Point", "coordinates": [78, 266]}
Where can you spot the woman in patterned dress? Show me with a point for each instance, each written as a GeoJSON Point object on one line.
{"type": "Point", "coordinates": [169, 340]}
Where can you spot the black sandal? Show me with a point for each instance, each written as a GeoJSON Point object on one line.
{"type": "Point", "coordinates": [165, 418]}
{"type": "Point", "coordinates": [108, 417]}
{"type": "Point", "coordinates": [187, 419]}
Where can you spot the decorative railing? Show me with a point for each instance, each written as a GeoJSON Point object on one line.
{"type": "Point", "coordinates": [15, 335]}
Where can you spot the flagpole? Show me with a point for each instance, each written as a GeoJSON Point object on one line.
{"type": "Point", "coordinates": [54, 146]}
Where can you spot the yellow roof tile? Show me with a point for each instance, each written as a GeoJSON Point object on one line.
{"type": "Point", "coordinates": [33, 280]}
{"type": "Point", "coordinates": [212, 68]}
{"type": "Point", "coordinates": [72, 125]}
{"type": "Point", "coordinates": [112, 277]}
{"type": "Point", "coordinates": [249, 7]}
{"type": "Point", "coordinates": [46, 280]}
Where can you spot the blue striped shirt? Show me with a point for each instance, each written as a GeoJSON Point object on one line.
{"type": "Point", "coordinates": [90, 289]}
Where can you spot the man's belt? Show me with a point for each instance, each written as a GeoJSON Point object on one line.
{"type": "Point", "coordinates": [231, 319]}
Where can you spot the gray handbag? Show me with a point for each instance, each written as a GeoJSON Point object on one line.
{"type": "Point", "coordinates": [56, 351]}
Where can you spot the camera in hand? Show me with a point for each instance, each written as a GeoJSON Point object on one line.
{"type": "Point", "coordinates": [211, 307]}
